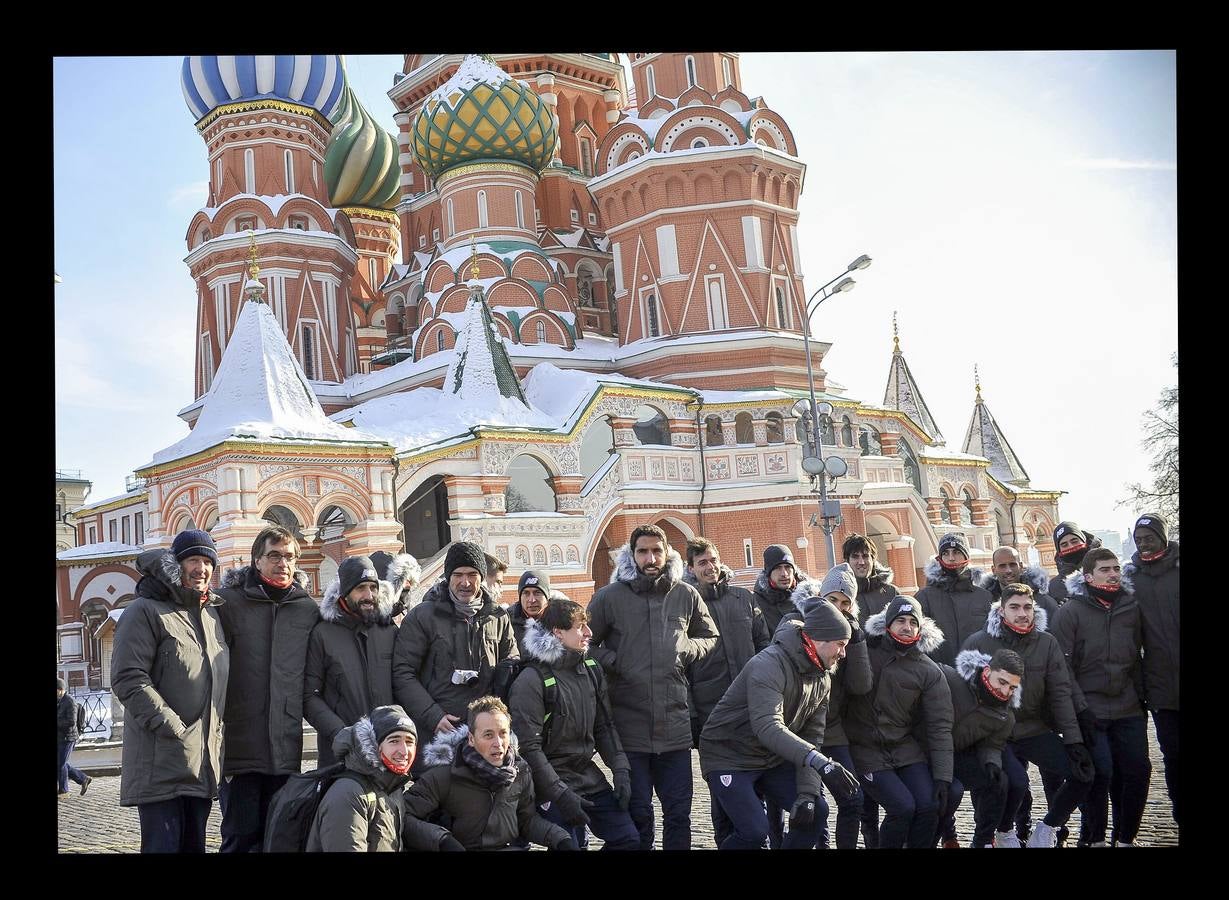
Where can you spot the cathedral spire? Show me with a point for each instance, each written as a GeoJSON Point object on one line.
{"type": "Point", "coordinates": [985, 438]}
{"type": "Point", "coordinates": [977, 383]}
{"type": "Point", "coordinates": [254, 289]}
{"type": "Point", "coordinates": [481, 365]}
{"type": "Point", "coordinates": [903, 394]}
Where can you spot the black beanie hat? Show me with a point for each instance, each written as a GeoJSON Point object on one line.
{"type": "Point", "coordinates": [954, 540]}
{"type": "Point", "coordinates": [194, 542]}
{"type": "Point", "coordinates": [467, 554]}
{"type": "Point", "coordinates": [824, 622]}
{"type": "Point", "coordinates": [774, 555]}
{"type": "Point", "coordinates": [533, 578]}
{"type": "Point", "coordinates": [902, 605]}
{"type": "Point", "coordinates": [1156, 524]}
{"type": "Point", "coordinates": [387, 719]}
{"type": "Point", "coordinates": [1062, 529]}
{"type": "Point", "coordinates": [354, 571]}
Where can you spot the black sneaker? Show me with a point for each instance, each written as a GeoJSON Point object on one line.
{"type": "Point", "coordinates": [85, 784]}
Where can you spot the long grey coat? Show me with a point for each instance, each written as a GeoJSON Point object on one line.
{"type": "Point", "coordinates": [169, 667]}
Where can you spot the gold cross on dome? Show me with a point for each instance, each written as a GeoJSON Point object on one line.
{"type": "Point", "coordinates": [253, 266]}
{"type": "Point", "coordinates": [473, 258]}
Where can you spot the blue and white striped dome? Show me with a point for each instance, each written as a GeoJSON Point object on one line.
{"type": "Point", "coordinates": [212, 81]}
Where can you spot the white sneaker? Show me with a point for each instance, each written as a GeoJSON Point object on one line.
{"type": "Point", "coordinates": [1097, 844]}
{"type": "Point", "coordinates": [1006, 839]}
{"type": "Point", "coordinates": [1043, 835]}
{"type": "Point", "coordinates": [1125, 844]}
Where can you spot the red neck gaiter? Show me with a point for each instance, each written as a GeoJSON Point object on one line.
{"type": "Point", "coordinates": [959, 567]}
{"type": "Point", "coordinates": [1153, 557]}
{"type": "Point", "coordinates": [1031, 625]}
{"type": "Point", "coordinates": [1105, 594]}
{"type": "Point", "coordinates": [906, 643]}
{"type": "Point", "coordinates": [1073, 550]}
{"type": "Point", "coordinates": [985, 680]}
{"type": "Point", "coordinates": [393, 767]}
{"type": "Point", "coordinates": [281, 585]}
{"type": "Point", "coordinates": [812, 654]}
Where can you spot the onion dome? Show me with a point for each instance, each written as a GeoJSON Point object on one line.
{"type": "Point", "coordinates": [483, 114]}
{"type": "Point", "coordinates": [360, 165]}
{"type": "Point", "coordinates": [316, 81]}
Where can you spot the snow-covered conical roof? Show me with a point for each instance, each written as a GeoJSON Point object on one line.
{"type": "Point", "coordinates": [985, 438]}
{"type": "Point", "coordinates": [481, 367]}
{"type": "Point", "coordinates": [260, 394]}
{"type": "Point", "coordinates": [903, 394]}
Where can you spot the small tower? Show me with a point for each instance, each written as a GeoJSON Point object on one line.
{"type": "Point", "coordinates": [481, 365]}
{"type": "Point", "coordinates": [985, 438]}
{"type": "Point", "coordinates": [902, 392]}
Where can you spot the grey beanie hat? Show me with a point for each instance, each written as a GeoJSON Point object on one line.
{"type": "Point", "coordinates": [840, 578]}
{"type": "Point", "coordinates": [824, 622]}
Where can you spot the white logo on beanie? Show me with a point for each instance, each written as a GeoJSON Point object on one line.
{"type": "Point", "coordinates": [726, 780]}
{"type": "Point", "coordinates": [1145, 521]}
{"type": "Point", "coordinates": [906, 608]}
{"type": "Point", "coordinates": [532, 579]}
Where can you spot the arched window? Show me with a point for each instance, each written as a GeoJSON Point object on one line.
{"type": "Point", "coordinates": [281, 515]}
{"type": "Point", "coordinates": [530, 488]}
{"type": "Point", "coordinates": [744, 430]}
{"type": "Point", "coordinates": [726, 72]}
{"type": "Point", "coordinates": [846, 431]}
{"type": "Point", "coordinates": [827, 431]}
{"type": "Point", "coordinates": [520, 211]}
{"type": "Point", "coordinates": [439, 339]}
{"type": "Point", "coordinates": [334, 522]}
{"type": "Point", "coordinates": [452, 219]}
{"type": "Point", "coordinates": [540, 331]}
{"type": "Point", "coordinates": [1001, 525]}
{"type": "Point", "coordinates": [584, 287]}
{"type": "Point", "coordinates": [596, 446]}
{"type": "Point", "coordinates": [586, 158]}
{"type": "Point", "coordinates": [651, 427]}
{"type": "Point", "coordinates": [289, 160]}
{"type": "Point", "coordinates": [691, 71]}
{"type": "Point", "coordinates": [249, 171]}
{"type": "Point", "coordinates": [649, 81]}
{"type": "Point", "coordinates": [945, 514]}
{"type": "Point", "coordinates": [782, 309]}
{"type": "Point", "coordinates": [698, 143]}
{"type": "Point", "coordinates": [482, 219]}
{"type": "Point", "coordinates": [650, 315]}
{"type": "Point", "coordinates": [868, 440]}
{"type": "Point", "coordinates": [714, 436]}
{"type": "Point", "coordinates": [776, 428]}
{"type": "Point", "coordinates": [912, 473]}
{"type": "Point", "coordinates": [968, 504]}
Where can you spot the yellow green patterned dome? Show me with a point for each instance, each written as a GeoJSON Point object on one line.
{"type": "Point", "coordinates": [360, 165]}
{"type": "Point", "coordinates": [483, 114]}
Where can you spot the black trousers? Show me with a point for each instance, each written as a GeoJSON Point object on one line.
{"type": "Point", "coordinates": [174, 826]}
{"type": "Point", "coordinates": [245, 804]}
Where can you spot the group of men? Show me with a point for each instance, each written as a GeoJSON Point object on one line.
{"type": "Point", "coordinates": [796, 691]}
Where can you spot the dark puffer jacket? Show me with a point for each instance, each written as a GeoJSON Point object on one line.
{"type": "Point", "coordinates": [645, 635]}
{"type": "Point", "coordinates": [977, 726]}
{"type": "Point", "coordinates": [478, 817]}
{"type": "Point", "coordinates": [268, 645]}
{"type": "Point", "coordinates": [66, 719]}
{"type": "Point", "coordinates": [516, 614]}
{"type": "Point", "coordinates": [1102, 647]}
{"type": "Point", "coordinates": [1035, 578]}
{"type": "Point", "coordinates": [1045, 691]}
{"type": "Point", "coordinates": [363, 815]}
{"type": "Point", "coordinates": [433, 641]}
{"type": "Point", "coordinates": [772, 713]}
{"type": "Point", "coordinates": [773, 603]}
{"type": "Point", "coordinates": [957, 605]}
{"type": "Point", "coordinates": [169, 667]}
{"type": "Point", "coordinates": [743, 632]}
{"type": "Point", "coordinates": [1058, 584]}
{"type": "Point", "coordinates": [909, 688]}
{"type": "Point", "coordinates": [349, 668]}
{"type": "Point", "coordinates": [581, 722]}
{"type": "Point", "coordinates": [852, 675]}
{"type": "Point", "coordinates": [875, 592]}
{"type": "Point", "coordinates": [1156, 591]}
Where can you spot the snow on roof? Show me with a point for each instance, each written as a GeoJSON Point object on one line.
{"type": "Point", "coordinates": [474, 70]}
{"type": "Point", "coordinates": [103, 548]}
{"type": "Point", "coordinates": [561, 392]}
{"type": "Point", "coordinates": [686, 151]}
{"type": "Point", "coordinates": [136, 492]}
{"type": "Point", "coordinates": [259, 393]}
{"type": "Point", "coordinates": [275, 203]}
{"type": "Point", "coordinates": [743, 396]}
{"type": "Point", "coordinates": [944, 453]}
{"type": "Point", "coordinates": [602, 243]}
{"type": "Point", "coordinates": [570, 238]}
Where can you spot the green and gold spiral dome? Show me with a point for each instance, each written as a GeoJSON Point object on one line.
{"type": "Point", "coordinates": [482, 114]}
{"type": "Point", "coordinates": [360, 165]}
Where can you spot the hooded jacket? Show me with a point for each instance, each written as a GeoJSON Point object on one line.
{"type": "Point", "coordinates": [433, 641]}
{"type": "Point", "coordinates": [364, 815]}
{"type": "Point", "coordinates": [1156, 592]}
{"type": "Point", "coordinates": [773, 602]}
{"type": "Point", "coordinates": [581, 722]}
{"type": "Point", "coordinates": [401, 568]}
{"type": "Point", "coordinates": [957, 605]}
{"type": "Point", "coordinates": [742, 633]}
{"type": "Point", "coordinates": [516, 614]}
{"type": "Point", "coordinates": [478, 817]}
{"type": "Point", "coordinates": [645, 635]}
{"type": "Point", "coordinates": [268, 644]}
{"type": "Point", "coordinates": [169, 668]}
{"type": "Point", "coordinates": [908, 688]}
{"type": "Point", "coordinates": [66, 719]}
{"type": "Point", "coordinates": [773, 713]}
{"type": "Point", "coordinates": [977, 727]}
{"type": "Point", "coordinates": [1102, 647]}
{"type": "Point", "coordinates": [1045, 691]}
{"type": "Point", "coordinates": [1058, 584]}
{"type": "Point", "coordinates": [1035, 578]}
{"type": "Point", "coordinates": [853, 673]}
{"type": "Point", "coordinates": [875, 592]}
{"type": "Point", "coordinates": [349, 668]}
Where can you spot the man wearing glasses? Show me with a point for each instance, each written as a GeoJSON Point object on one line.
{"type": "Point", "coordinates": [267, 618]}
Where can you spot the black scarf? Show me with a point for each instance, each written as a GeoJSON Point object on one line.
{"type": "Point", "coordinates": [494, 777]}
{"type": "Point", "coordinates": [1107, 598]}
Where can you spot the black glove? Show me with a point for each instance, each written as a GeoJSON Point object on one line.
{"type": "Point", "coordinates": [1088, 725]}
{"type": "Point", "coordinates": [1082, 768]}
{"type": "Point", "coordinates": [449, 843]}
{"type": "Point", "coordinates": [940, 794]}
{"type": "Point", "coordinates": [994, 774]}
{"type": "Point", "coordinates": [803, 813]}
{"type": "Point", "coordinates": [623, 787]}
{"type": "Point", "coordinates": [836, 778]}
{"type": "Point", "coordinates": [572, 806]}
{"type": "Point", "coordinates": [856, 634]}
{"type": "Point", "coordinates": [568, 843]}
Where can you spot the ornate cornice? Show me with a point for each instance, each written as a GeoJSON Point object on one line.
{"type": "Point", "coordinates": [254, 105]}
{"type": "Point", "coordinates": [471, 168]}
{"type": "Point", "coordinates": [367, 212]}
{"type": "Point", "coordinates": [256, 450]}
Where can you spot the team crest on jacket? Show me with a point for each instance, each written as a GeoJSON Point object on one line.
{"type": "Point", "coordinates": [726, 780]}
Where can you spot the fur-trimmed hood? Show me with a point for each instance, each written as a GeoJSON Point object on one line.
{"type": "Point", "coordinates": [330, 606]}
{"type": "Point", "coordinates": [932, 634]}
{"type": "Point", "coordinates": [879, 576]}
{"type": "Point", "coordinates": [969, 664]}
{"type": "Point", "coordinates": [1034, 577]}
{"type": "Point", "coordinates": [237, 578]}
{"type": "Point", "coordinates": [1078, 587]}
{"type": "Point", "coordinates": [542, 645]}
{"type": "Point", "coordinates": [765, 588]}
{"type": "Point", "coordinates": [994, 622]}
{"type": "Point", "coordinates": [359, 739]}
{"type": "Point", "coordinates": [402, 569]}
{"type": "Point", "coordinates": [810, 590]}
{"type": "Point", "coordinates": [937, 576]}
{"type": "Point", "coordinates": [625, 568]}
{"type": "Point", "coordinates": [443, 748]}
{"type": "Point", "coordinates": [161, 567]}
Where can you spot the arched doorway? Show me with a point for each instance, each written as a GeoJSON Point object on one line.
{"type": "Point", "coordinates": [424, 516]}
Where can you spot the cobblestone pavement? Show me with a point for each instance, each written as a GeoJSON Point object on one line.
{"type": "Point", "coordinates": [96, 823]}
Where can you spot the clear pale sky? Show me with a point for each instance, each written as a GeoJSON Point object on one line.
{"type": "Point", "coordinates": [1020, 208]}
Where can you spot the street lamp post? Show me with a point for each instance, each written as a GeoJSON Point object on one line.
{"type": "Point", "coordinates": [830, 512]}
